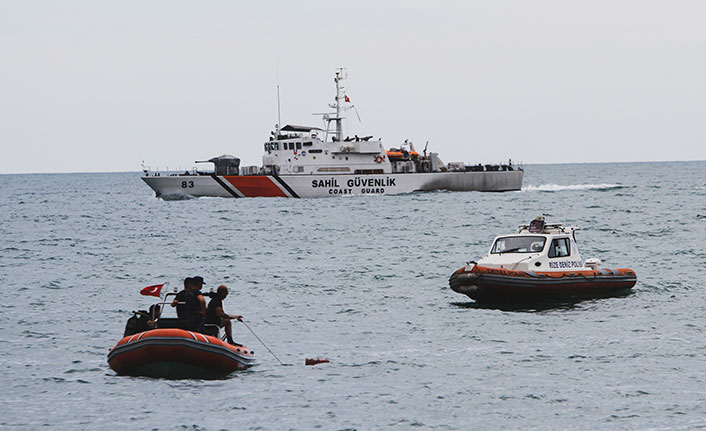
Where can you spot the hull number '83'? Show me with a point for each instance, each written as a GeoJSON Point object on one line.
{"type": "Point", "coordinates": [185, 184]}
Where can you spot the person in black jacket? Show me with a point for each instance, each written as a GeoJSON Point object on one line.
{"type": "Point", "coordinates": [142, 320]}
{"type": "Point", "coordinates": [190, 304]}
{"type": "Point", "coordinates": [216, 316]}
{"type": "Point", "coordinates": [180, 299]}
{"type": "Point", "coordinates": [195, 305]}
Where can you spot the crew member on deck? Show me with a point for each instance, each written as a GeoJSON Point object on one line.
{"type": "Point", "coordinates": [142, 320]}
{"type": "Point", "coordinates": [195, 305]}
{"type": "Point", "coordinates": [216, 316]}
{"type": "Point", "coordinates": [180, 299]}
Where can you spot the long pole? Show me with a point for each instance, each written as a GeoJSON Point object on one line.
{"type": "Point", "coordinates": [258, 339]}
{"type": "Point", "coordinates": [279, 115]}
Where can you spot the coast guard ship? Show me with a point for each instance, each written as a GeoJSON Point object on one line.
{"type": "Point", "coordinates": [309, 162]}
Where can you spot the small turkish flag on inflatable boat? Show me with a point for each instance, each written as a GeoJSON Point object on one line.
{"type": "Point", "coordinates": [153, 290]}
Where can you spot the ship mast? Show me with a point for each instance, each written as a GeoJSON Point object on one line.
{"type": "Point", "coordinates": [340, 97]}
{"type": "Point", "coordinates": [278, 126]}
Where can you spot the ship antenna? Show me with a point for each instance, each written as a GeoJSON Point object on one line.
{"type": "Point", "coordinates": [279, 112]}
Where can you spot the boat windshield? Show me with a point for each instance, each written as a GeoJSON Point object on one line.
{"type": "Point", "coordinates": [519, 244]}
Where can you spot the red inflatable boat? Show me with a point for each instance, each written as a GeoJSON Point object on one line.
{"type": "Point", "coordinates": [177, 353]}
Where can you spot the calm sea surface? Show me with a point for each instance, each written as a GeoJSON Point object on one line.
{"type": "Point", "coordinates": [362, 281]}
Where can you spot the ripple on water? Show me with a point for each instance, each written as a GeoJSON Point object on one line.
{"type": "Point", "coordinates": [364, 283]}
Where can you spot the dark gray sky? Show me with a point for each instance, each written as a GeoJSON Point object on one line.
{"type": "Point", "coordinates": [102, 86]}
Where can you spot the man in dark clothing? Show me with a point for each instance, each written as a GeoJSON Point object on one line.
{"type": "Point", "coordinates": [190, 304]}
{"type": "Point", "coordinates": [195, 305]}
{"type": "Point", "coordinates": [180, 299]}
{"type": "Point", "coordinates": [216, 316]}
{"type": "Point", "coordinates": [142, 321]}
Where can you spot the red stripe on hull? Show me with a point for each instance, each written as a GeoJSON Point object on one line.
{"type": "Point", "coordinates": [256, 186]}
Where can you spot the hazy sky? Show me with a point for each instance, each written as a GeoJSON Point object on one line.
{"type": "Point", "coordinates": [101, 86]}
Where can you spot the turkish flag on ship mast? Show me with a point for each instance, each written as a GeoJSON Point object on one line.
{"type": "Point", "coordinates": [153, 290]}
{"type": "Point", "coordinates": [347, 98]}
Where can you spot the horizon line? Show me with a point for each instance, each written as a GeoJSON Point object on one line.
{"type": "Point", "coordinates": [520, 163]}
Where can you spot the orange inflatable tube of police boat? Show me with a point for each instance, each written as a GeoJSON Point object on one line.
{"type": "Point", "coordinates": [177, 353]}
{"type": "Point", "coordinates": [481, 282]}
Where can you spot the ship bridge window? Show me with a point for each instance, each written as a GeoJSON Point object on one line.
{"type": "Point", "coordinates": [299, 145]}
{"type": "Point", "coordinates": [518, 244]}
{"type": "Point", "coordinates": [307, 144]}
{"type": "Point", "coordinates": [559, 248]}
{"type": "Point", "coordinates": [269, 146]}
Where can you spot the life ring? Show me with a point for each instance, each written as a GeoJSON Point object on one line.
{"type": "Point", "coordinates": [379, 158]}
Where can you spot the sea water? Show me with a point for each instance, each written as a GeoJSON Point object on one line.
{"type": "Point", "coordinates": [362, 281]}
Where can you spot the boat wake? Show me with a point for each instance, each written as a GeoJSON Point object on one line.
{"type": "Point", "coordinates": [559, 188]}
{"type": "Point", "coordinates": [176, 196]}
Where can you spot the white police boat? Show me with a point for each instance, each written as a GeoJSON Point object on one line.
{"type": "Point", "coordinates": [539, 261]}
